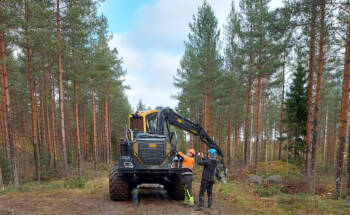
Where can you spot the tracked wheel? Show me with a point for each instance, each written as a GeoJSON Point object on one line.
{"type": "Point", "coordinates": [177, 190]}
{"type": "Point", "coordinates": [119, 186]}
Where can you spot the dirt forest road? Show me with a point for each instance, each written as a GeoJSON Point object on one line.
{"type": "Point", "coordinates": [95, 200]}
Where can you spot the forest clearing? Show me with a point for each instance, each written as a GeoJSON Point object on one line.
{"type": "Point", "coordinates": [98, 97]}
{"type": "Point", "coordinates": [90, 196]}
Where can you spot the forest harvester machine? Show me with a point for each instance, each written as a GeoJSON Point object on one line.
{"type": "Point", "coordinates": [148, 150]}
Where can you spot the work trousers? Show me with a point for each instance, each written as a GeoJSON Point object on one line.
{"type": "Point", "coordinates": [187, 178]}
{"type": "Point", "coordinates": [206, 186]}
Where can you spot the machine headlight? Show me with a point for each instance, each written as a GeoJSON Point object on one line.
{"type": "Point", "coordinates": [128, 165]}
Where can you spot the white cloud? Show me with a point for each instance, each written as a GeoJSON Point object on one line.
{"type": "Point", "coordinates": [152, 47]}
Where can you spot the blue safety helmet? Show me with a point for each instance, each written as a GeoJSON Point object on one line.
{"type": "Point", "coordinates": [212, 151]}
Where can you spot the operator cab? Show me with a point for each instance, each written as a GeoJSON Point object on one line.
{"type": "Point", "coordinates": [143, 122]}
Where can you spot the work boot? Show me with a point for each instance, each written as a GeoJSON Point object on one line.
{"type": "Point", "coordinates": [189, 201]}
{"type": "Point", "coordinates": [210, 201]}
{"type": "Point", "coordinates": [201, 203]}
{"type": "Point", "coordinates": [186, 197]}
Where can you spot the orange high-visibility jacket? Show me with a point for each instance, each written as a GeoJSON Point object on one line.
{"type": "Point", "coordinates": [188, 162]}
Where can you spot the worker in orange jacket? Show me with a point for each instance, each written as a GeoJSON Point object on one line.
{"type": "Point", "coordinates": [188, 164]}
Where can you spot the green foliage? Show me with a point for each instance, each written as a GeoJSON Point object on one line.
{"type": "Point", "coordinates": [78, 183]}
{"type": "Point", "coordinates": [296, 103]}
{"type": "Point", "coordinates": [296, 113]}
{"type": "Point", "coordinates": [201, 64]}
{"type": "Point", "coordinates": [263, 191]}
{"type": "Point", "coordinates": [5, 169]}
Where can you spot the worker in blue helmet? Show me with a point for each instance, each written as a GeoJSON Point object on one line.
{"type": "Point", "coordinates": [207, 181]}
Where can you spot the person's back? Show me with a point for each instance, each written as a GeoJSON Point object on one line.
{"type": "Point", "coordinates": [208, 169]}
{"type": "Point", "coordinates": [207, 181]}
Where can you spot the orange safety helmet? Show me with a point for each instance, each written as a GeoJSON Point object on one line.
{"type": "Point", "coordinates": [192, 151]}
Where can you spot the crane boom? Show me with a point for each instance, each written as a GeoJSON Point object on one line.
{"type": "Point", "coordinates": [170, 117]}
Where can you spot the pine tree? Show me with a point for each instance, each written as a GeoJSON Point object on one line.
{"type": "Point", "coordinates": [343, 115]}
{"type": "Point", "coordinates": [60, 87]}
{"type": "Point", "coordinates": [204, 38]}
{"type": "Point", "coordinates": [296, 110]}
{"type": "Point", "coordinates": [317, 98]}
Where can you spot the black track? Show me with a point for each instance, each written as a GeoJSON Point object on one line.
{"type": "Point", "coordinates": [176, 190]}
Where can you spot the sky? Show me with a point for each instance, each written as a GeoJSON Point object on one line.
{"type": "Point", "coordinates": [150, 35]}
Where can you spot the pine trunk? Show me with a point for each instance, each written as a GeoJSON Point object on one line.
{"type": "Point", "coordinates": [3, 114]}
{"type": "Point", "coordinates": [247, 119]}
{"type": "Point", "coordinates": [77, 131]}
{"type": "Point", "coordinates": [34, 115]}
{"type": "Point", "coordinates": [94, 134]}
{"type": "Point", "coordinates": [1, 181]}
{"type": "Point", "coordinates": [60, 92]}
{"type": "Point", "coordinates": [206, 113]}
{"type": "Point", "coordinates": [258, 103]}
{"type": "Point", "coordinates": [42, 113]}
{"type": "Point", "coordinates": [281, 117]}
{"type": "Point", "coordinates": [47, 120]}
{"type": "Point", "coordinates": [106, 130]}
{"type": "Point", "coordinates": [7, 114]}
{"type": "Point", "coordinates": [32, 103]}
{"type": "Point", "coordinates": [325, 140]}
{"type": "Point", "coordinates": [334, 141]}
{"type": "Point", "coordinates": [344, 109]}
{"type": "Point", "coordinates": [69, 131]}
{"type": "Point", "coordinates": [53, 120]}
{"type": "Point", "coordinates": [228, 149]}
{"type": "Point", "coordinates": [310, 85]}
{"type": "Point", "coordinates": [85, 137]}
{"type": "Point", "coordinates": [315, 135]}
{"type": "Point", "coordinates": [236, 137]}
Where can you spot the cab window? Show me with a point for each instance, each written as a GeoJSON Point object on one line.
{"type": "Point", "coordinates": [136, 124]}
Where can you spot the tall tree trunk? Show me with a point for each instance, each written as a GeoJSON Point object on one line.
{"type": "Point", "coordinates": [236, 136]}
{"type": "Point", "coordinates": [247, 119]}
{"type": "Point", "coordinates": [310, 84]}
{"type": "Point", "coordinates": [207, 113]}
{"type": "Point", "coordinates": [251, 136]}
{"type": "Point", "coordinates": [69, 131]}
{"type": "Point", "coordinates": [47, 120]}
{"type": "Point", "coordinates": [7, 108]}
{"type": "Point", "coordinates": [106, 129]}
{"type": "Point", "coordinates": [109, 130]}
{"type": "Point", "coordinates": [344, 110]}
{"type": "Point", "coordinates": [77, 131]}
{"type": "Point", "coordinates": [3, 112]}
{"type": "Point", "coordinates": [325, 140]}
{"type": "Point", "coordinates": [334, 141]}
{"type": "Point", "coordinates": [191, 136]}
{"type": "Point", "coordinates": [32, 102]}
{"type": "Point", "coordinates": [24, 118]}
{"type": "Point", "coordinates": [94, 132]}
{"type": "Point", "coordinates": [258, 103]}
{"type": "Point", "coordinates": [229, 115]}
{"type": "Point", "coordinates": [317, 101]}
{"type": "Point", "coordinates": [86, 149]}
{"type": "Point", "coordinates": [60, 91]}
{"type": "Point", "coordinates": [53, 120]}
{"type": "Point", "coordinates": [42, 113]}
{"type": "Point", "coordinates": [101, 143]}
{"type": "Point", "coordinates": [281, 117]}
{"type": "Point", "coordinates": [1, 181]}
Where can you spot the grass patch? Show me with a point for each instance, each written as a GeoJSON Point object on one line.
{"type": "Point", "coordinates": [42, 186]}
{"type": "Point", "coordinates": [281, 168]}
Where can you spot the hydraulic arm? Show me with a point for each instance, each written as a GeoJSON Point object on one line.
{"type": "Point", "coordinates": [170, 117]}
